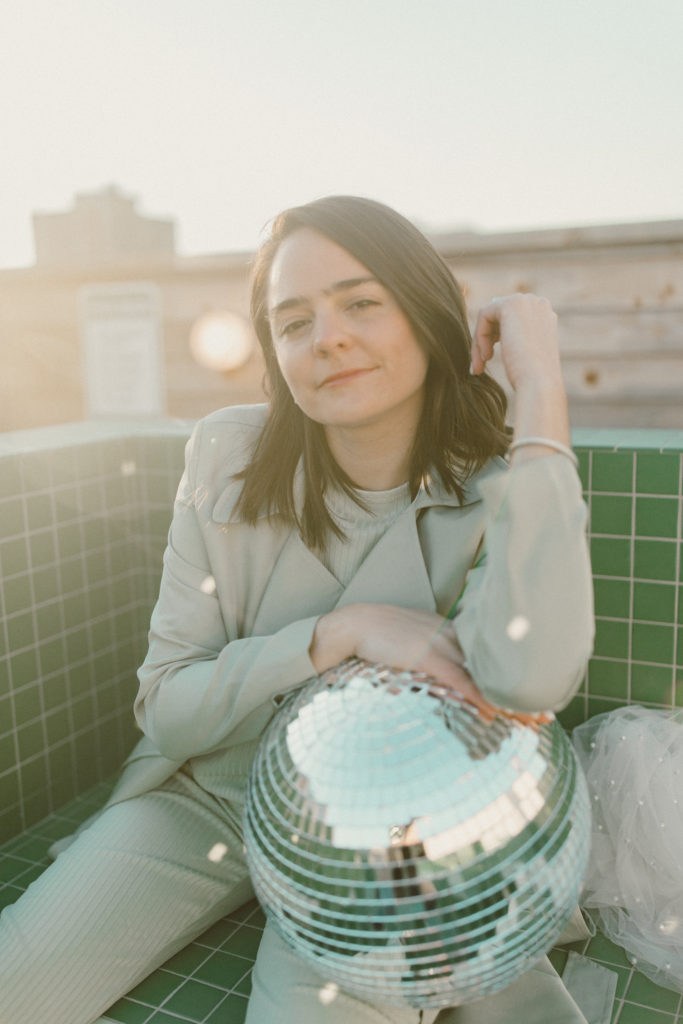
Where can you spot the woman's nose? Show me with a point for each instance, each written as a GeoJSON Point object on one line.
{"type": "Point", "coordinates": [329, 331]}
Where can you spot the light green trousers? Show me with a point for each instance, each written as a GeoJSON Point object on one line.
{"type": "Point", "coordinates": [138, 885]}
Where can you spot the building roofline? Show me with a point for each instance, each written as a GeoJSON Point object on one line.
{"type": "Point", "coordinates": [589, 236]}
{"type": "Point", "coordinates": [457, 244]}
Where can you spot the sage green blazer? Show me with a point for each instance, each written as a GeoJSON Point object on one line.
{"type": "Point", "coordinates": [238, 603]}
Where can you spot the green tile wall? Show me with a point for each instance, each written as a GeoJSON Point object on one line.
{"type": "Point", "coordinates": [633, 487]}
{"type": "Point", "coordinates": [83, 523]}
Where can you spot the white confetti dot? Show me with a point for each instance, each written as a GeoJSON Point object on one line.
{"type": "Point", "coordinates": [518, 627]}
{"type": "Point", "coordinates": [217, 853]}
{"type": "Point", "coordinates": [328, 993]}
{"type": "Point", "coordinates": [208, 585]}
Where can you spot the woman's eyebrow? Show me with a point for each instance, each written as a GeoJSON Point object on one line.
{"type": "Point", "coordinates": [338, 286]}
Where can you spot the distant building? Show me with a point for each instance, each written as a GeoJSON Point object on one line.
{"type": "Point", "coordinates": [102, 227]}
{"type": "Point", "coordinates": [170, 335]}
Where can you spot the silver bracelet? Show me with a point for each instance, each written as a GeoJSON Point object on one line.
{"type": "Point", "coordinates": [547, 442]}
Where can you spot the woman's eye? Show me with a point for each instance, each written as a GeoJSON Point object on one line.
{"type": "Point", "coordinates": [292, 327]}
{"type": "Point", "coordinates": [363, 303]}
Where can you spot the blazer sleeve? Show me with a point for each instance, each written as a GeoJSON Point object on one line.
{"type": "Point", "coordinates": [525, 618]}
{"type": "Point", "coordinates": [197, 684]}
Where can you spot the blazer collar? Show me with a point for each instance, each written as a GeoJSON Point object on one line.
{"type": "Point", "coordinates": [300, 586]}
{"type": "Point", "coordinates": [224, 508]}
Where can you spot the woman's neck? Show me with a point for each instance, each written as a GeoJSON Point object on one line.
{"type": "Point", "coordinates": [374, 460]}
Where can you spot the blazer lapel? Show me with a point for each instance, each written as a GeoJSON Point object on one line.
{"type": "Point", "coordinates": [394, 572]}
{"type": "Point", "coordinates": [299, 587]}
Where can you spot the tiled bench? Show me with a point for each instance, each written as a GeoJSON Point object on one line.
{"type": "Point", "coordinates": [83, 518]}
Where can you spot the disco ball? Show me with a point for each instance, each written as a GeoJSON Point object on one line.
{"type": "Point", "coordinates": [405, 847]}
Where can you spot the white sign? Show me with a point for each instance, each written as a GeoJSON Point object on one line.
{"type": "Point", "coordinates": [122, 352]}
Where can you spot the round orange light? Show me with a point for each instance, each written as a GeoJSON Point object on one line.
{"type": "Point", "coordinates": [221, 341]}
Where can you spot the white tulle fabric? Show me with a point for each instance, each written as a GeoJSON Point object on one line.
{"type": "Point", "coordinates": [633, 760]}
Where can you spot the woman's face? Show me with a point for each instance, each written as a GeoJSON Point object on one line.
{"type": "Point", "coordinates": [345, 348]}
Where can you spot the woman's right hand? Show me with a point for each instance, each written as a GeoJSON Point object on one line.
{"type": "Point", "coordinates": [405, 638]}
{"type": "Point", "coordinates": [524, 326]}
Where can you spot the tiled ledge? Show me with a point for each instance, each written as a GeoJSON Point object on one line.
{"type": "Point", "coordinates": [67, 435]}
{"type": "Point", "coordinates": [623, 439]}
{"type": "Point", "coordinates": [633, 484]}
{"type": "Point", "coordinates": [84, 511]}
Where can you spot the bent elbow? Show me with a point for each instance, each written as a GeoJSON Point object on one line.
{"type": "Point", "coordinates": [171, 738]}
{"type": "Point", "coordinates": [171, 742]}
{"type": "Point", "coordinates": [532, 677]}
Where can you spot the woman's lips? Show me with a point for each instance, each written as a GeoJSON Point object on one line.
{"type": "Point", "coordinates": [343, 376]}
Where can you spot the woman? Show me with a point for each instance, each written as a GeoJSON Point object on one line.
{"type": "Point", "coordinates": [346, 518]}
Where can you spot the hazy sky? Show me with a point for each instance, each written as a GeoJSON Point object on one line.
{"type": "Point", "coordinates": [487, 113]}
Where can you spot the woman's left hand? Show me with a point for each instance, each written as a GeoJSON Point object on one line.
{"type": "Point", "coordinates": [525, 327]}
{"type": "Point", "coordinates": [406, 638]}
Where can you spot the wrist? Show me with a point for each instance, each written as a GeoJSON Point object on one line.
{"type": "Point", "coordinates": [543, 390]}
{"type": "Point", "coordinates": [334, 638]}
{"type": "Point", "coordinates": [541, 410]}
{"type": "Point", "coordinates": [546, 444]}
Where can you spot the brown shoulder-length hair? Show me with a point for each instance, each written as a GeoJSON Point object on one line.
{"type": "Point", "coordinates": [463, 418]}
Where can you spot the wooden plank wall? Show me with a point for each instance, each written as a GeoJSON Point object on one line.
{"type": "Point", "coordinates": [618, 292]}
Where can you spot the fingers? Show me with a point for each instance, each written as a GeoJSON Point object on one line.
{"type": "Point", "coordinates": [414, 640]}
{"type": "Point", "coordinates": [486, 335]}
{"type": "Point", "coordinates": [529, 718]}
{"type": "Point", "coordinates": [454, 681]}
{"type": "Point", "coordinates": [526, 327]}
{"type": "Point", "coordinates": [466, 691]}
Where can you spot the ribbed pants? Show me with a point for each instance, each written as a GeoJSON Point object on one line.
{"type": "Point", "coordinates": [149, 876]}
{"type": "Point", "coordinates": [145, 879]}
